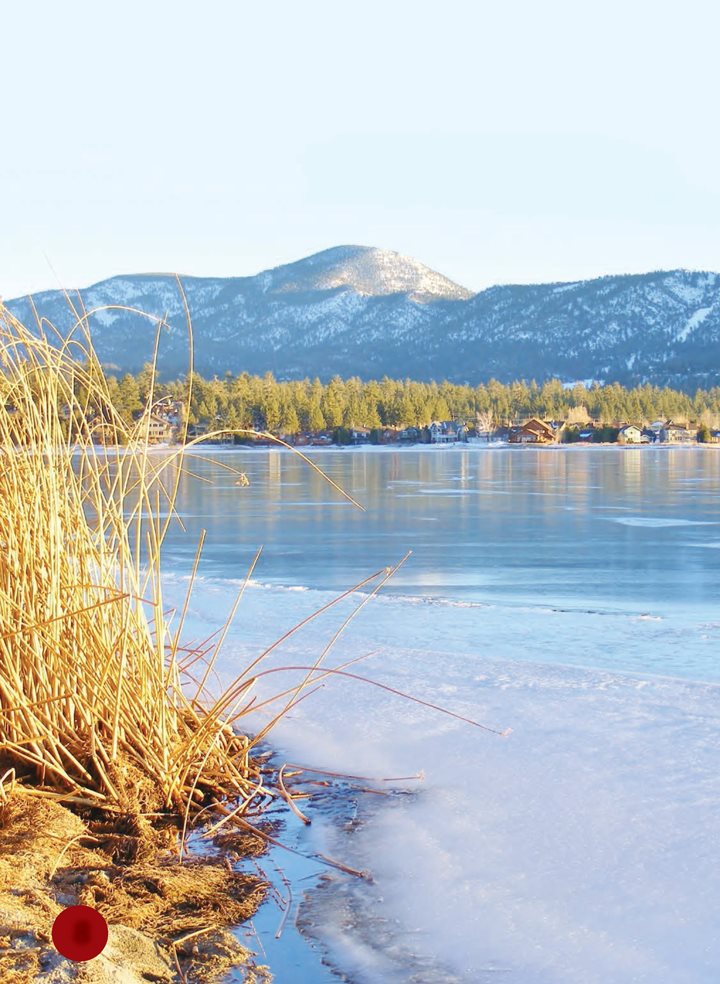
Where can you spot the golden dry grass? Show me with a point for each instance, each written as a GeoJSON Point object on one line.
{"type": "Point", "coordinates": [99, 703]}
{"type": "Point", "coordinates": [92, 701]}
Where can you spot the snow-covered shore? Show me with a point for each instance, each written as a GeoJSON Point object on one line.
{"type": "Point", "coordinates": [579, 848]}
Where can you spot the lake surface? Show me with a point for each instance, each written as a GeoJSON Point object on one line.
{"type": "Point", "coordinates": [614, 531]}
{"type": "Point", "coordinates": [568, 594]}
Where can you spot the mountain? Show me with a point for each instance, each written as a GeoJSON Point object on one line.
{"type": "Point", "coordinates": [355, 310]}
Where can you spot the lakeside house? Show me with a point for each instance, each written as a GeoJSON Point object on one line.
{"type": "Point", "coordinates": [163, 420]}
{"type": "Point", "coordinates": [361, 435]}
{"type": "Point", "coordinates": [389, 435]}
{"type": "Point", "coordinates": [446, 432]}
{"type": "Point", "coordinates": [630, 434]}
{"type": "Point", "coordinates": [159, 430]}
{"type": "Point", "coordinates": [677, 434]}
{"type": "Point", "coordinates": [533, 431]}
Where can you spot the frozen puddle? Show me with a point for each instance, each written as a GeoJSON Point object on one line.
{"type": "Point", "coordinates": [274, 934]}
{"type": "Point", "coordinates": [346, 916]}
{"type": "Point", "coordinates": [332, 923]}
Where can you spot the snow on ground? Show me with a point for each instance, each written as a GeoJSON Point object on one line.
{"type": "Point", "coordinates": [580, 848]}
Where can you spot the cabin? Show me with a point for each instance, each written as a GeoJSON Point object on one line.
{"type": "Point", "coordinates": [533, 431]}
{"type": "Point", "coordinates": [438, 434]}
{"type": "Point", "coordinates": [360, 435]}
{"type": "Point", "coordinates": [630, 434]}
{"type": "Point", "coordinates": [197, 430]}
{"type": "Point", "coordinates": [388, 435]}
{"type": "Point", "coordinates": [655, 428]}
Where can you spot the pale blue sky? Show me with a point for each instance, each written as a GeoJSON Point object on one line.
{"type": "Point", "coordinates": [500, 142]}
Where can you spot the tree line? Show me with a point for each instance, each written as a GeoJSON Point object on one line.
{"type": "Point", "coordinates": [243, 401]}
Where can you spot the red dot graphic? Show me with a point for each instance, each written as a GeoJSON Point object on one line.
{"type": "Point", "coordinates": [80, 933]}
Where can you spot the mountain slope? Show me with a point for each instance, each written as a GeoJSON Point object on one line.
{"type": "Point", "coordinates": [359, 311]}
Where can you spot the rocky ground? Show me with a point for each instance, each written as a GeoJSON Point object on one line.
{"type": "Point", "coordinates": [169, 921]}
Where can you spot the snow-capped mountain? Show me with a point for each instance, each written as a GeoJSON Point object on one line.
{"type": "Point", "coordinates": [355, 310]}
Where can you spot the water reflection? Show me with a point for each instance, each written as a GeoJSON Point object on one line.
{"type": "Point", "coordinates": [513, 525]}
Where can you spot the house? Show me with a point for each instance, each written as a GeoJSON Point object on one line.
{"type": "Point", "coordinates": [533, 431]}
{"type": "Point", "coordinates": [676, 434]}
{"type": "Point", "coordinates": [410, 434]}
{"type": "Point", "coordinates": [447, 432]}
{"type": "Point", "coordinates": [166, 409]}
{"type": "Point", "coordinates": [360, 435]}
{"type": "Point", "coordinates": [630, 434]}
{"type": "Point", "coordinates": [652, 436]}
{"type": "Point", "coordinates": [197, 430]}
{"type": "Point", "coordinates": [439, 434]}
{"type": "Point", "coordinates": [656, 427]}
{"type": "Point", "coordinates": [714, 437]}
{"type": "Point", "coordinates": [159, 430]}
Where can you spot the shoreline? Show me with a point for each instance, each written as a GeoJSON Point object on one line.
{"type": "Point", "coordinates": [529, 781]}
{"type": "Point", "coordinates": [429, 448]}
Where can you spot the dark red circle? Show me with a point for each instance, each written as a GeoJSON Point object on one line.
{"type": "Point", "coordinates": [80, 933]}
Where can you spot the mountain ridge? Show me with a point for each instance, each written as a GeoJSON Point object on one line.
{"type": "Point", "coordinates": [356, 310]}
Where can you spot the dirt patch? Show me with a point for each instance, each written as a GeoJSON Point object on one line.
{"type": "Point", "coordinates": [169, 919]}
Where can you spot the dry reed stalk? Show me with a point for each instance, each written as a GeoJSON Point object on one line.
{"type": "Point", "coordinates": [93, 702]}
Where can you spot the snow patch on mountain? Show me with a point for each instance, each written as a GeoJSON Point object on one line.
{"type": "Point", "coordinates": [693, 321]}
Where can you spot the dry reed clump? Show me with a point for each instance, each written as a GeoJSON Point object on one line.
{"type": "Point", "coordinates": [100, 706]}
{"type": "Point", "coordinates": [93, 700]}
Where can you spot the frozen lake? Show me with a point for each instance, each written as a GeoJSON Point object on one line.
{"type": "Point", "coordinates": [571, 595]}
{"type": "Point", "coordinates": [617, 534]}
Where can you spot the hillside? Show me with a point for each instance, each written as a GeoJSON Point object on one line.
{"type": "Point", "coordinates": [355, 310]}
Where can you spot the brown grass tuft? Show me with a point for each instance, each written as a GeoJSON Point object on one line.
{"type": "Point", "coordinates": [92, 698]}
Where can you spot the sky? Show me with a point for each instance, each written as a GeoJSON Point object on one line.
{"type": "Point", "coordinates": [497, 143]}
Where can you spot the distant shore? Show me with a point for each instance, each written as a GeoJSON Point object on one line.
{"type": "Point", "coordinates": [456, 446]}
{"type": "Point", "coordinates": [217, 448]}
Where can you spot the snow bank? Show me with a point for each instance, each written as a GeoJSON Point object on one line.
{"type": "Point", "coordinates": [581, 848]}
